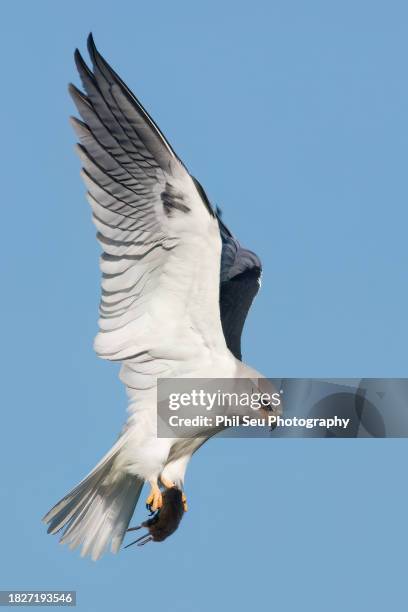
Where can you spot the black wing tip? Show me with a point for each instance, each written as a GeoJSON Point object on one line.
{"type": "Point", "coordinates": [99, 61]}
{"type": "Point", "coordinates": [78, 59]}
{"type": "Point", "coordinates": [78, 125]}
{"type": "Point", "coordinates": [77, 94]}
{"type": "Point", "coordinates": [74, 92]}
{"type": "Point", "coordinates": [90, 40]}
{"type": "Point", "coordinates": [92, 50]}
{"type": "Point", "coordinates": [80, 62]}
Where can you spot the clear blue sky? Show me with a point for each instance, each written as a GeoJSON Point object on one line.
{"type": "Point", "coordinates": [293, 115]}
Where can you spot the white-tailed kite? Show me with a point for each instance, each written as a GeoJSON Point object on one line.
{"type": "Point", "coordinates": [176, 289]}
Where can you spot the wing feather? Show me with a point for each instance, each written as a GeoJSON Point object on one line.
{"type": "Point", "coordinates": [160, 239]}
{"type": "Point", "coordinates": [240, 276]}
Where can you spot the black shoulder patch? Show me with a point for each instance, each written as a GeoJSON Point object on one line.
{"type": "Point", "coordinates": [173, 200]}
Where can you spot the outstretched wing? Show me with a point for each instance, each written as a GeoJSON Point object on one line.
{"type": "Point", "coordinates": [240, 281]}
{"type": "Point", "coordinates": [160, 238]}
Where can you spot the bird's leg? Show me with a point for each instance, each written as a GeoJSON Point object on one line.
{"type": "Point", "coordinates": [169, 485]}
{"type": "Point", "coordinates": [155, 500]}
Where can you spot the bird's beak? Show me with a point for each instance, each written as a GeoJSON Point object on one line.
{"type": "Point", "coordinates": [268, 411]}
{"type": "Point", "coordinates": [265, 412]}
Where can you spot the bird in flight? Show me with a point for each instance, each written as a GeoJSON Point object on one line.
{"type": "Point", "coordinates": [176, 290]}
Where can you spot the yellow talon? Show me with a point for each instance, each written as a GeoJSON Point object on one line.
{"type": "Point", "coordinates": [184, 500]}
{"type": "Point", "coordinates": [155, 500]}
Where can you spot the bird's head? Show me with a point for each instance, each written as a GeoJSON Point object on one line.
{"type": "Point", "coordinates": [265, 400]}
{"type": "Point", "coordinates": [270, 401]}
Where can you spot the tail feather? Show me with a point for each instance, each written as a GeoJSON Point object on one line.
{"type": "Point", "coordinates": [97, 510]}
{"type": "Point", "coordinates": [75, 500]}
